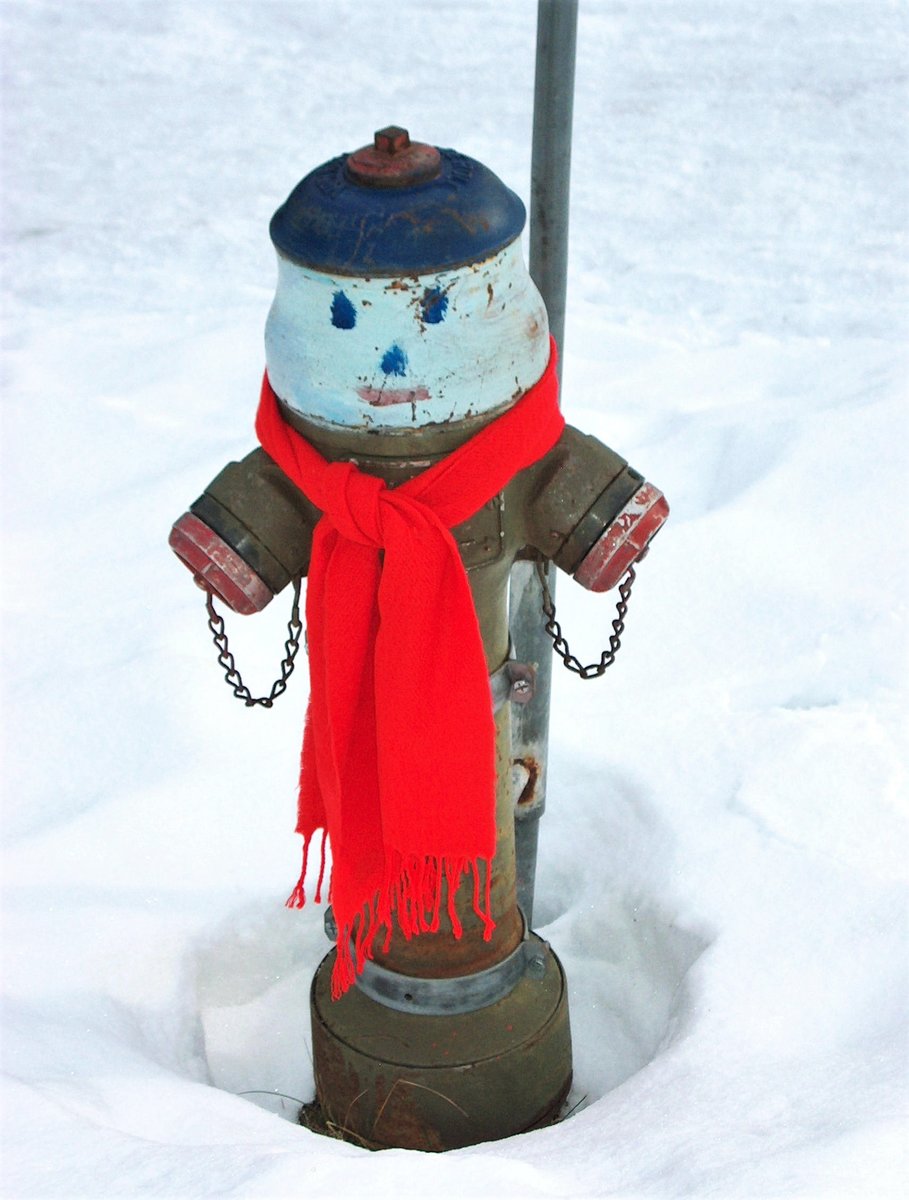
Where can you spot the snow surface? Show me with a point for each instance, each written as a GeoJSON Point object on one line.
{"type": "Point", "coordinates": [723, 861]}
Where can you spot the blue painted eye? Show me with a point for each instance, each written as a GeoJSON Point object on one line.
{"type": "Point", "coordinates": [434, 306]}
{"type": "Point", "coordinates": [394, 361]}
{"type": "Point", "coordinates": [343, 313]}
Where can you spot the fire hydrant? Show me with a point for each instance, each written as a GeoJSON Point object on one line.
{"type": "Point", "coordinates": [406, 332]}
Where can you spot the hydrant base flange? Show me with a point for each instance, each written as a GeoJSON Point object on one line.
{"type": "Point", "coordinates": [386, 1078]}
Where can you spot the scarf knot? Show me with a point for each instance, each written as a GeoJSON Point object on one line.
{"type": "Point", "coordinates": [352, 502]}
{"type": "Point", "coordinates": [399, 754]}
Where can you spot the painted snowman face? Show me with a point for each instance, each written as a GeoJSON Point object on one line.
{"type": "Point", "coordinates": [393, 354]}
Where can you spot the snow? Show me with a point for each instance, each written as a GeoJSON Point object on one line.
{"type": "Point", "coordinates": [723, 859]}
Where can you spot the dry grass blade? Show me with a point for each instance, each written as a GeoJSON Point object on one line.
{"type": "Point", "coordinates": [412, 1083]}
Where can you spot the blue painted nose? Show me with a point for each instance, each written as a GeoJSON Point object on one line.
{"type": "Point", "coordinates": [394, 361]}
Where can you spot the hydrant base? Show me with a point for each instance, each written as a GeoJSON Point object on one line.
{"type": "Point", "coordinates": [386, 1078]}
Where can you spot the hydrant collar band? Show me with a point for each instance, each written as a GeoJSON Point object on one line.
{"type": "Point", "coordinates": [455, 994]}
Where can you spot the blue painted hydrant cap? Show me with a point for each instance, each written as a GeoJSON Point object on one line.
{"type": "Point", "coordinates": [396, 207]}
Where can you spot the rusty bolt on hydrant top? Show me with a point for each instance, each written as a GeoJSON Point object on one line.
{"type": "Point", "coordinates": [404, 322]}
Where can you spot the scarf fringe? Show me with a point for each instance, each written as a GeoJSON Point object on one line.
{"type": "Point", "coordinates": [410, 896]}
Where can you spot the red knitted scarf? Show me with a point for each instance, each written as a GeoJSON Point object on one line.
{"type": "Point", "coordinates": [398, 764]}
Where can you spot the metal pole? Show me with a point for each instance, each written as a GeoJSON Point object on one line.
{"type": "Point", "coordinates": [549, 189]}
{"type": "Point", "coordinates": [550, 171]}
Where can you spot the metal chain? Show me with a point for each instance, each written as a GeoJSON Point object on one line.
{"type": "Point", "coordinates": [560, 645]}
{"type": "Point", "coordinates": [226, 659]}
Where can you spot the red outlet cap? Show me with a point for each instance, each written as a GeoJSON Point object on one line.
{"type": "Point", "coordinates": [624, 541]}
{"type": "Point", "coordinates": [217, 566]}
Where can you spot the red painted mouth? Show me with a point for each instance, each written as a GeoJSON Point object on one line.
{"type": "Point", "coordinates": [383, 397]}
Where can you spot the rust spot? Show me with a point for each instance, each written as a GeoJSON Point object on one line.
{"type": "Point", "coordinates": [532, 767]}
{"type": "Point", "coordinates": [489, 295]}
